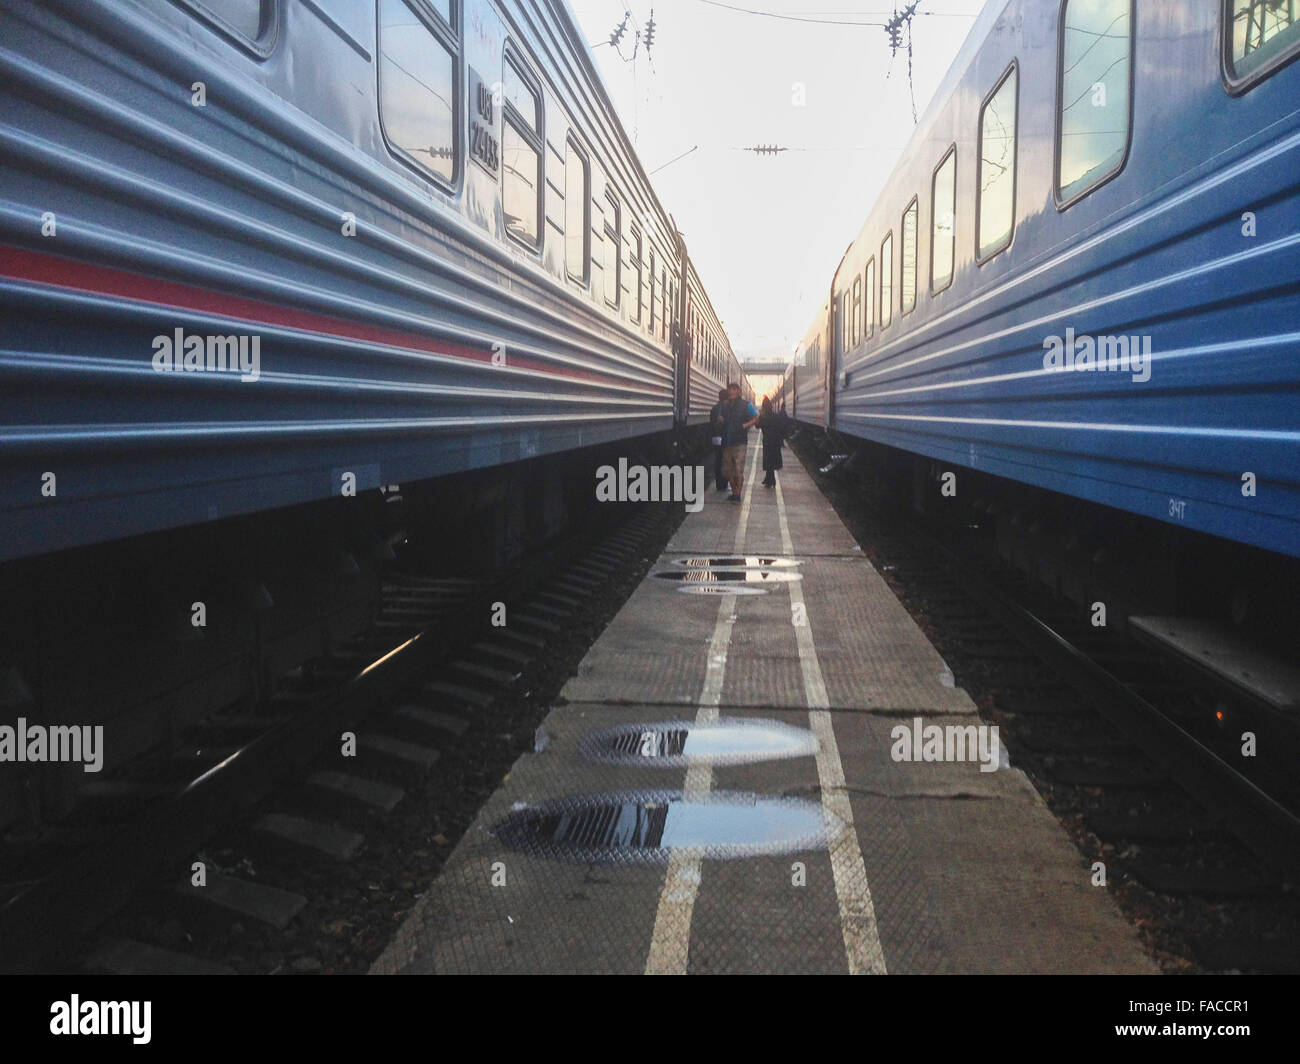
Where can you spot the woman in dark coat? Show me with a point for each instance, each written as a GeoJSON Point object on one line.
{"type": "Point", "coordinates": [773, 426]}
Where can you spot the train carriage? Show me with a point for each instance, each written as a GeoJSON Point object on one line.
{"type": "Point", "coordinates": [707, 352]}
{"type": "Point", "coordinates": [1082, 275]}
{"type": "Point", "coordinates": [255, 250]}
{"type": "Point", "coordinates": [812, 368]}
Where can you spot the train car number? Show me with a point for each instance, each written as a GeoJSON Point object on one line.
{"type": "Point", "coordinates": [483, 143]}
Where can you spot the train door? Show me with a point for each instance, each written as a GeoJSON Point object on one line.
{"type": "Point", "coordinates": [834, 348]}
{"type": "Point", "coordinates": [677, 339]}
{"type": "Point", "coordinates": [683, 353]}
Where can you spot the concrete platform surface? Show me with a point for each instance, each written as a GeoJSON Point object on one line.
{"type": "Point", "coordinates": [725, 789]}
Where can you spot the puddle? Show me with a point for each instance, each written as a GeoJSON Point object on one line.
{"type": "Point", "coordinates": [751, 562]}
{"type": "Point", "coordinates": [720, 589]}
{"type": "Point", "coordinates": [649, 826]}
{"type": "Point", "coordinates": [672, 744]}
{"type": "Point", "coordinates": [730, 576]}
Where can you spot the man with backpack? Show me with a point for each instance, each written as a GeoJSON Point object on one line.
{"type": "Point", "coordinates": [737, 419]}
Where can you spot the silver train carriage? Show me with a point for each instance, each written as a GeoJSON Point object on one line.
{"type": "Point", "coordinates": [252, 248]}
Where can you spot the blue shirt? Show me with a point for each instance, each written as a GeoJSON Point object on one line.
{"type": "Point", "coordinates": [738, 412]}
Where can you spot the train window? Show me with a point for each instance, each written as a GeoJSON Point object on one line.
{"type": "Point", "coordinates": [907, 270]}
{"type": "Point", "coordinates": [613, 250]}
{"type": "Point", "coordinates": [636, 266]}
{"type": "Point", "coordinates": [519, 95]}
{"type": "Point", "coordinates": [652, 291]}
{"type": "Point", "coordinates": [869, 294]}
{"type": "Point", "coordinates": [521, 150]}
{"type": "Point", "coordinates": [663, 309]}
{"type": "Point", "coordinates": [887, 280]}
{"type": "Point", "coordinates": [417, 87]}
{"type": "Point", "coordinates": [943, 221]}
{"type": "Point", "coordinates": [1265, 35]}
{"type": "Point", "coordinates": [248, 22]}
{"type": "Point", "coordinates": [1095, 94]}
{"type": "Point", "coordinates": [995, 203]}
{"type": "Point", "coordinates": [857, 310]}
{"type": "Point", "coordinates": [577, 213]}
{"type": "Point", "coordinates": [664, 296]}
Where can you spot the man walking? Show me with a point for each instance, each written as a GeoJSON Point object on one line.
{"type": "Point", "coordinates": [740, 415]}
{"type": "Point", "coordinates": [717, 421]}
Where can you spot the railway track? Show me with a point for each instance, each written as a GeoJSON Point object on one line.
{"type": "Point", "coordinates": [1116, 737]}
{"type": "Point", "coordinates": [295, 780]}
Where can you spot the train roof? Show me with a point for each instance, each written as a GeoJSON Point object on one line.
{"type": "Point", "coordinates": [582, 53]}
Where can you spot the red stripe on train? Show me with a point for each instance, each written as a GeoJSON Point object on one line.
{"type": "Point", "coordinates": [21, 264]}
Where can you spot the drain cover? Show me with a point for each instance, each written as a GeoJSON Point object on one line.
{"type": "Point", "coordinates": [720, 589]}
{"type": "Point", "coordinates": [649, 826]}
{"type": "Point", "coordinates": [753, 561]}
{"type": "Point", "coordinates": [753, 577]}
{"type": "Point", "coordinates": [730, 574]}
{"type": "Point", "coordinates": [673, 744]}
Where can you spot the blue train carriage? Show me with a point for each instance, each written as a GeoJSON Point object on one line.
{"type": "Point", "coordinates": [252, 245]}
{"type": "Point", "coordinates": [1082, 274]}
{"type": "Point", "coordinates": [812, 362]}
{"type": "Point", "coordinates": [784, 399]}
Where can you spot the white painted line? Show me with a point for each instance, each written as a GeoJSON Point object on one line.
{"type": "Point", "coordinates": [862, 945]}
{"type": "Point", "coordinates": [743, 526]}
{"type": "Point", "coordinates": [857, 912]}
{"type": "Point", "coordinates": [814, 686]}
{"type": "Point", "coordinates": [671, 941]}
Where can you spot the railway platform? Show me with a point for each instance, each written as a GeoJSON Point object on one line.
{"type": "Point", "coordinates": [763, 766]}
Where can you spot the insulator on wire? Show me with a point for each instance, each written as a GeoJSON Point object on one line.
{"type": "Point", "coordinates": [619, 30]}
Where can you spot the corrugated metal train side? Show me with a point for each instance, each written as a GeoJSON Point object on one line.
{"type": "Point", "coordinates": [177, 186]}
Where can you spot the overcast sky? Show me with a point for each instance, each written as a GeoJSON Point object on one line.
{"type": "Point", "coordinates": [766, 232]}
